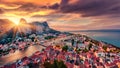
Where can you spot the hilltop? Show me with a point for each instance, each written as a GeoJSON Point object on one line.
{"type": "Point", "coordinates": [9, 30]}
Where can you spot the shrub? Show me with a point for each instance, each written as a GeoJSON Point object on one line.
{"type": "Point", "coordinates": [49, 37]}
{"type": "Point", "coordinates": [65, 48]}
{"type": "Point", "coordinates": [56, 64]}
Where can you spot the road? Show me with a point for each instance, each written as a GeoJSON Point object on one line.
{"type": "Point", "coordinates": [10, 58]}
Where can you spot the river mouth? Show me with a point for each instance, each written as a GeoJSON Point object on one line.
{"type": "Point", "coordinates": [12, 57]}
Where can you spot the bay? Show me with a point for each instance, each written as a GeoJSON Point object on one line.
{"type": "Point", "coordinates": [109, 37]}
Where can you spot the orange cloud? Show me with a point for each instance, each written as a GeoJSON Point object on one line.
{"type": "Point", "coordinates": [12, 6]}
{"type": "Point", "coordinates": [67, 15]}
{"type": "Point", "coordinates": [38, 2]}
{"type": "Point", "coordinates": [73, 1]}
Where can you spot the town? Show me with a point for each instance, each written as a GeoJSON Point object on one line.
{"type": "Point", "coordinates": [59, 51]}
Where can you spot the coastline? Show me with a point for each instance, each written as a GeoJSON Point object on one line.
{"type": "Point", "coordinates": [106, 43]}
{"type": "Point", "coordinates": [94, 42]}
{"type": "Point", "coordinates": [111, 38]}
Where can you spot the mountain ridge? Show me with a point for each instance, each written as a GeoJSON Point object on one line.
{"type": "Point", "coordinates": [36, 25]}
{"type": "Point", "coordinates": [26, 29]}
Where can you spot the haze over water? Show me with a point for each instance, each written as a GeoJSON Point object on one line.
{"type": "Point", "coordinates": [109, 37]}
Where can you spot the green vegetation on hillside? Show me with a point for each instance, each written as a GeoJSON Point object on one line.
{"type": "Point", "coordinates": [49, 37]}
{"type": "Point", "coordinates": [56, 64]}
{"type": "Point", "coordinates": [65, 48]}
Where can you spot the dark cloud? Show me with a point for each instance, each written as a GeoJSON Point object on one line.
{"type": "Point", "coordinates": [54, 6]}
{"type": "Point", "coordinates": [85, 8]}
{"type": "Point", "coordinates": [31, 7]}
{"type": "Point", "coordinates": [50, 17]}
{"type": "Point", "coordinates": [91, 7]}
{"type": "Point", "coordinates": [1, 11]}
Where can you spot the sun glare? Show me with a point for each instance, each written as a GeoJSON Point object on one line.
{"type": "Point", "coordinates": [15, 20]}
{"type": "Point", "coordinates": [16, 23]}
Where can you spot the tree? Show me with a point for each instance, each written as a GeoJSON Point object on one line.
{"type": "Point", "coordinates": [32, 39]}
{"type": "Point", "coordinates": [49, 37]}
{"type": "Point", "coordinates": [72, 41]}
{"type": "Point", "coordinates": [56, 64]}
{"type": "Point", "coordinates": [47, 65]}
{"type": "Point", "coordinates": [65, 48]}
{"type": "Point", "coordinates": [85, 50]}
{"type": "Point", "coordinates": [60, 64]}
{"type": "Point", "coordinates": [90, 46]}
{"type": "Point", "coordinates": [104, 47]}
{"type": "Point", "coordinates": [78, 42]}
{"type": "Point", "coordinates": [77, 51]}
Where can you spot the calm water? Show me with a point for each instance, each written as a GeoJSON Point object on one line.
{"type": "Point", "coordinates": [10, 58]}
{"type": "Point", "coordinates": [110, 37]}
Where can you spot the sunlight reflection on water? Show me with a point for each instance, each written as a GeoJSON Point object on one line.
{"type": "Point", "coordinates": [19, 54]}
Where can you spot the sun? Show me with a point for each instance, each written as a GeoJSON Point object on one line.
{"type": "Point", "coordinates": [16, 23]}
{"type": "Point", "coordinates": [15, 20]}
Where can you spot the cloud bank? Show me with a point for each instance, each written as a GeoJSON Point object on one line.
{"type": "Point", "coordinates": [66, 14]}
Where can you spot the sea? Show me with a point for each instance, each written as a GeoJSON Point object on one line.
{"type": "Point", "coordinates": [109, 37]}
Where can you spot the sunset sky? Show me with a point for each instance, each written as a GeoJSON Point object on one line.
{"type": "Point", "coordinates": [65, 15]}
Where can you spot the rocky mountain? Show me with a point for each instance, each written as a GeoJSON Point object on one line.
{"type": "Point", "coordinates": [42, 27]}
{"type": "Point", "coordinates": [23, 21]}
{"type": "Point", "coordinates": [23, 28]}
{"type": "Point", "coordinates": [33, 27]}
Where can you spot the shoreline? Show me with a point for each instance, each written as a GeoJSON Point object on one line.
{"type": "Point", "coordinates": [21, 56]}
{"type": "Point", "coordinates": [116, 46]}
{"type": "Point", "coordinates": [70, 37]}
